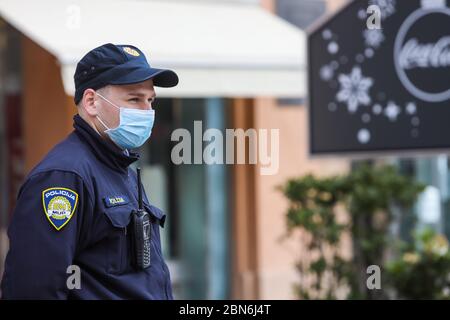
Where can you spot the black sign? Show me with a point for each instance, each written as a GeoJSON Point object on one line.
{"type": "Point", "coordinates": [381, 89]}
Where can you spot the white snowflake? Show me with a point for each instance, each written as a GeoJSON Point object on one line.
{"type": "Point", "coordinates": [373, 37]}
{"type": "Point", "coordinates": [387, 7]}
{"type": "Point", "coordinates": [354, 89]}
{"type": "Point", "coordinates": [365, 118]}
{"type": "Point", "coordinates": [363, 136]}
{"type": "Point", "coordinates": [392, 111]}
{"type": "Point", "coordinates": [362, 14]}
{"type": "Point", "coordinates": [332, 106]}
{"type": "Point", "coordinates": [326, 34]}
{"type": "Point", "coordinates": [359, 58]}
{"type": "Point", "coordinates": [415, 121]}
{"type": "Point", "coordinates": [411, 108]}
{"type": "Point", "coordinates": [326, 73]}
{"type": "Point", "coordinates": [333, 47]}
{"type": "Point", "coordinates": [377, 109]}
{"type": "Point", "coordinates": [368, 53]}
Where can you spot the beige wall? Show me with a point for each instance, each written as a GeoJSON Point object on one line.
{"type": "Point", "coordinates": [276, 259]}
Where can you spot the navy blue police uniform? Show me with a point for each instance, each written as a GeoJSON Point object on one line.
{"type": "Point", "coordinates": [75, 206]}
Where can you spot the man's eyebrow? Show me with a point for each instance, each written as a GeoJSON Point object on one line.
{"type": "Point", "coordinates": [140, 94]}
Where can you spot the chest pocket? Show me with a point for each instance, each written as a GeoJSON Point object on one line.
{"type": "Point", "coordinates": [118, 253]}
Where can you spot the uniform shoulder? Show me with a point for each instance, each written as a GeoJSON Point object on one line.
{"type": "Point", "coordinates": [71, 155]}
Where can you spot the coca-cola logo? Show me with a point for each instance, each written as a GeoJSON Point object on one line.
{"type": "Point", "coordinates": [430, 55]}
{"type": "Point", "coordinates": [422, 54]}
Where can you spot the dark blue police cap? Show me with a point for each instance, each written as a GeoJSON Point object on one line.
{"type": "Point", "coordinates": [117, 64]}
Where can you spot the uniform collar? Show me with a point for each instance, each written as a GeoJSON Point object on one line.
{"type": "Point", "coordinates": [104, 150]}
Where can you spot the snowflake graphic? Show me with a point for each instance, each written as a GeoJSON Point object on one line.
{"type": "Point", "coordinates": [387, 7]}
{"type": "Point", "coordinates": [415, 121]}
{"type": "Point", "coordinates": [326, 34]}
{"type": "Point", "coordinates": [373, 37]}
{"type": "Point", "coordinates": [333, 47]}
{"type": "Point", "coordinates": [411, 108]}
{"type": "Point", "coordinates": [362, 14]}
{"type": "Point", "coordinates": [326, 73]}
{"type": "Point", "coordinates": [377, 109]}
{"type": "Point", "coordinates": [354, 89]}
{"type": "Point", "coordinates": [363, 136]}
{"type": "Point", "coordinates": [392, 111]}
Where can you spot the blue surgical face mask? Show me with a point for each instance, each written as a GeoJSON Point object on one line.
{"type": "Point", "coordinates": [134, 129]}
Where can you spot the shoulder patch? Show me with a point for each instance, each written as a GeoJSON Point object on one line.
{"type": "Point", "coordinates": [59, 205]}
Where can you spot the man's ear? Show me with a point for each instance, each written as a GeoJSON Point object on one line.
{"type": "Point", "coordinates": [89, 103]}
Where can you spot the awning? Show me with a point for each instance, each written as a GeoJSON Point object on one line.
{"type": "Point", "coordinates": [218, 49]}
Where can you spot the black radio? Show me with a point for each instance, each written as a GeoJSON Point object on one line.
{"type": "Point", "coordinates": [141, 231]}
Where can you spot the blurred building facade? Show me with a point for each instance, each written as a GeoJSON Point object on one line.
{"type": "Point", "coordinates": [225, 222]}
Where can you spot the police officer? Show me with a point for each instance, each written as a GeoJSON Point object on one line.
{"type": "Point", "coordinates": [74, 210]}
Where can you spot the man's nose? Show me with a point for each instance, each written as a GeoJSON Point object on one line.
{"type": "Point", "coordinates": [148, 105]}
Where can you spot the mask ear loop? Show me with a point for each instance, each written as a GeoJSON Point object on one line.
{"type": "Point", "coordinates": [98, 118]}
{"type": "Point", "coordinates": [108, 102]}
{"type": "Point", "coordinates": [113, 104]}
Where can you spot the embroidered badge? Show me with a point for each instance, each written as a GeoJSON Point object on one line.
{"type": "Point", "coordinates": [59, 205]}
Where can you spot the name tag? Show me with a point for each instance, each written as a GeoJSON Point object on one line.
{"type": "Point", "coordinates": [115, 201]}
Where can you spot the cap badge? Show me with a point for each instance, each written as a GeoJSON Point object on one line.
{"type": "Point", "coordinates": [131, 51]}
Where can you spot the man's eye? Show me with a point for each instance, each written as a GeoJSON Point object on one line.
{"type": "Point", "coordinates": [134, 99]}
{"type": "Point", "coordinates": [151, 100]}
